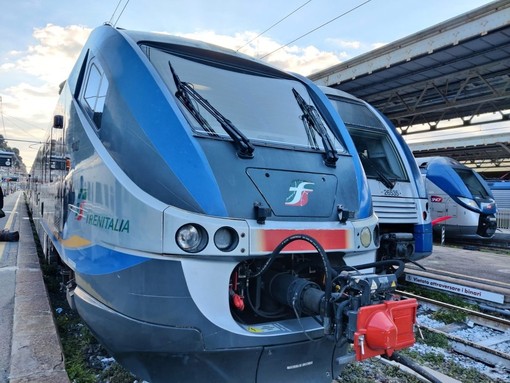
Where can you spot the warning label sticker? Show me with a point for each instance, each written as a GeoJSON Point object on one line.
{"type": "Point", "coordinates": [265, 328]}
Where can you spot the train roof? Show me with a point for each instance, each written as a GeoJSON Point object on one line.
{"type": "Point", "coordinates": [426, 161]}
{"type": "Point", "coordinates": [338, 92]}
{"type": "Point", "coordinates": [165, 39]}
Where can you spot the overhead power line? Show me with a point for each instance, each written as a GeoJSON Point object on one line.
{"type": "Point", "coordinates": [120, 14]}
{"type": "Point", "coordinates": [274, 25]}
{"type": "Point", "coordinates": [319, 27]}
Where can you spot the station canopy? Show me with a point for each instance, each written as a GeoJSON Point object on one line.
{"type": "Point", "coordinates": [456, 70]}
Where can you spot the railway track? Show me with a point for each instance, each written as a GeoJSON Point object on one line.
{"type": "Point", "coordinates": [496, 243]}
{"type": "Point", "coordinates": [480, 336]}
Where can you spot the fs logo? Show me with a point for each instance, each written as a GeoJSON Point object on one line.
{"type": "Point", "coordinates": [82, 197]}
{"type": "Point", "coordinates": [436, 198]}
{"type": "Point", "coordinates": [298, 193]}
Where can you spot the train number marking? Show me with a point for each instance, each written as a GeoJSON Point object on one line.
{"type": "Point", "coordinates": [391, 193]}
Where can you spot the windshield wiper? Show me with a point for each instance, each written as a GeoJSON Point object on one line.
{"type": "Point", "coordinates": [185, 91]}
{"type": "Point", "coordinates": [183, 96]}
{"type": "Point", "coordinates": [312, 120]}
{"type": "Point", "coordinates": [380, 175]}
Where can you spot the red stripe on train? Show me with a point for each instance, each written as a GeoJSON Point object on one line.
{"type": "Point", "coordinates": [330, 239]}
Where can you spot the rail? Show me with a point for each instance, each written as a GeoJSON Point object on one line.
{"type": "Point", "coordinates": [484, 351]}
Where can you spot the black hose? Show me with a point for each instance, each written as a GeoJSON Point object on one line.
{"type": "Point", "coordinates": [328, 270]}
{"type": "Point", "coordinates": [414, 366]}
{"type": "Point", "coordinates": [388, 262]}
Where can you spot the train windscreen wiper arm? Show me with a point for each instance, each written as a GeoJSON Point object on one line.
{"type": "Point", "coordinates": [312, 120]}
{"type": "Point", "coordinates": [380, 175]}
{"type": "Point", "coordinates": [185, 91]}
{"type": "Point", "coordinates": [183, 96]}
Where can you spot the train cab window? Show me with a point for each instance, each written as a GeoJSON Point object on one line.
{"type": "Point", "coordinates": [472, 183]}
{"type": "Point", "coordinates": [94, 93]}
{"type": "Point", "coordinates": [262, 105]}
{"type": "Point", "coordinates": [377, 151]}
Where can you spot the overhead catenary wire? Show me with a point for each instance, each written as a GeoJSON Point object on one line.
{"type": "Point", "coordinates": [114, 12]}
{"type": "Point", "coordinates": [274, 25]}
{"type": "Point", "coordinates": [317, 28]}
{"type": "Point", "coordinates": [120, 14]}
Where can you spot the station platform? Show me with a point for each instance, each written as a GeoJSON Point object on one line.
{"type": "Point", "coordinates": [30, 349]}
{"type": "Point", "coordinates": [481, 275]}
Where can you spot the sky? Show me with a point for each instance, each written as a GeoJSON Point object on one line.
{"type": "Point", "coordinates": [41, 39]}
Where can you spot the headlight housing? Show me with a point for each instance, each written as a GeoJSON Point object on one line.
{"type": "Point", "coordinates": [226, 239]}
{"type": "Point", "coordinates": [469, 202]}
{"type": "Point", "coordinates": [365, 237]}
{"type": "Point", "coordinates": [191, 238]}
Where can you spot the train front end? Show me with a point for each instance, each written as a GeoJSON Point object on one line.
{"type": "Point", "coordinates": [461, 197]}
{"type": "Point", "coordinates": [398, 191]}
{"type": "Point", "coordinates": [219, 222]}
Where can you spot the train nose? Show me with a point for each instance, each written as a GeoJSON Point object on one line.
{"type": "Point", "coordinates": [487, 226]}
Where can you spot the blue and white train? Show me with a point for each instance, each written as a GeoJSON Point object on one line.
{"type": "Point", "coordinates": [398, 190]}
{"type": "Point", "coordinates": [214, 216]}
{"type": "Point", "coordinates": [460, 199]}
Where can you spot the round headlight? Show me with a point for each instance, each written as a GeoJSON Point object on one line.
{"type": "Point", "coordinates": [191, 238]}
{"type": "Point", "coordinates": [365, 237]}
{"type": "Point", "coordinates": [226, 239]}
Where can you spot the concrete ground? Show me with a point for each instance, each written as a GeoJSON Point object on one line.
{"type": "Point", "coordinates": [30, 349]}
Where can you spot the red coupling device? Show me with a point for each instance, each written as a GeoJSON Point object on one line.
{"type": "Point", "coordinates": [385, 328]}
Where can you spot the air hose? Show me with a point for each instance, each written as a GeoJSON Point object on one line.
{"type": "Point", "coordinates": [328, 270]}
{"type": "Point", "coordinates": [389, 262]}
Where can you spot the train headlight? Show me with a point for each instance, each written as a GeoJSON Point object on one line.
{"type": "Point", "coordinates": [191, 238]}
{"type": "Point", "coordinates": [469, 202]}
{"type": "Point", "coordinates": [365, 237]}
{"type": "Point", "coordinates": [226, 239]}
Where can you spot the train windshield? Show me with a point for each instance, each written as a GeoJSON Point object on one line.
{"type": "Point", "coordinates": [242, 103]}
{"type": "Point", "coordinates": [472, 183]}
{"type": "Point", "coordinates": [377, 151]}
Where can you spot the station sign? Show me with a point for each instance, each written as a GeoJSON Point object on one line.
{"type": "Point", "coordinates": [57, 163]}
{"type": "Point", "coordinates": [6, 159]}
{"type": "Point", "coordinates": [10, 179]}
{"type": "Point", "coordinates": [455, 288]}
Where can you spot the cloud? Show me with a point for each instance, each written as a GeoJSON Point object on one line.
{"type": "Point", "coordinates": [293, 58]}
{"type": "Point", "coordinates": [54, 55]}
{"type": "Point", "coordinates": [45, 64]}
{"type": "Point", "coordinates": [376, 45]}
{"type": "Point", "coordinates": [28, 105]}
{"type": "Point", "coordinates": [344, 44]}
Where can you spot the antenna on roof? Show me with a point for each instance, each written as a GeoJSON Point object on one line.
{"type": "Point", "coordinates": [120, 14]}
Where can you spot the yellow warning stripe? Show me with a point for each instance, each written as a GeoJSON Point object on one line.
{"type": "Point", "coordinates": [75, 241]}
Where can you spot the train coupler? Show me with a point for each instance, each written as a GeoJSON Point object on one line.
{"type": "Point", "coordinates": [383, 328]}
{"type": "Point", "coordinates": [397, 246]}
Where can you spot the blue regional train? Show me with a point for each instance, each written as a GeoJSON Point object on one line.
{"type": "Point", "coordinates": [398, 190]}
{"type": "Point", "coordinates": [214, 216]}
{"type": "Point", "coordinates": [459, 198]}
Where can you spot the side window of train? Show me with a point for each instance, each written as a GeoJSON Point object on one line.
{"type": "Point", "coordinates": [94, 94]}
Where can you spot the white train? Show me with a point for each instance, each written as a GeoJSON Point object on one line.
{"type": "Point", "coordinates": [459, 198]}
{"type": "Point", "coordinates": [397, 188]}
{"type": "Point", "coordinates": [214, 216]}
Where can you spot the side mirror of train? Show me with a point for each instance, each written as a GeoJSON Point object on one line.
{"type": "Point", "coordinates": [58, 121]}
